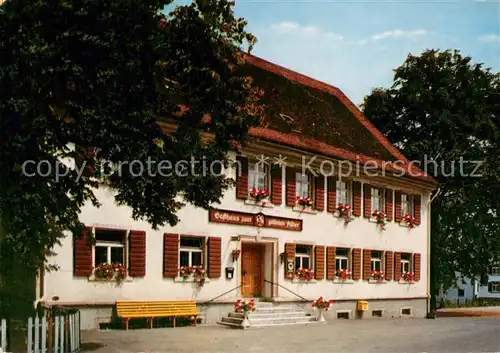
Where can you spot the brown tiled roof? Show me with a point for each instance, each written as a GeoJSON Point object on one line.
{"type": "Point", "coordinates": [323, 120]}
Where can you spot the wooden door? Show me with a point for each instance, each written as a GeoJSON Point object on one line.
{"type": "Point", "coordinates": [252, 256]}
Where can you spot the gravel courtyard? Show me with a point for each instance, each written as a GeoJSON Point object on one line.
{"type": "Point", "coordinates": [442, 335]}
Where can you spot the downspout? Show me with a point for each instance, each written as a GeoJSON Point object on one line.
{"type": "Point", "coordinates": [429, 254]}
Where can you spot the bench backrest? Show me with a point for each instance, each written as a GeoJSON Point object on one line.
{"type": "Point", "coordinates": [126, 308]}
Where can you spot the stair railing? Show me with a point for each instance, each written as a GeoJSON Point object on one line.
{"type": "Point", "coordinates": [302, 301]}
{"type": "Point", "coordinates": [223, 294]}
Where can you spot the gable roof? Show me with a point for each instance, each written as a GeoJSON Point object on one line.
{"type": "Point", "coordinates": [311, 115]}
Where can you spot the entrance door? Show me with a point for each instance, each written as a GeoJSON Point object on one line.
{"type": "Point", "coordinates": [252, 256]}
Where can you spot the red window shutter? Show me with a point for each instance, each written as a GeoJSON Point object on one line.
{"type": "Point", "coordinates": [137, 253]}
{"type": "Point", "coordinates": [319, 267]}
{"type": "Point", "coordinates": [356, 192]}
{"type": "Point", "coordinates": [214, 257]}
{"type": "Point", "coordinates": [367, 198]}
{"type": "Point", "coordinates": [320, 193]}
{"type": "Point", "coordinates": [417, 265]}
{"type": "Point", "coordinates": [276, 193]}
{"type": "Point", "coordinates": [397, 266]}
{"type": "Point", "coordinates": [170, 255]}
{"type": "Point", "coordinates": [291, 196]}
{"type": "Point", "coordinates": [389, 265]}
{"type": "Point", "coordinates": [289, 254]}
{"type": "Point", "coordinates": [330, 262]}
{"type": "Point", "coordinates": [331, 195]}
{"type": "Point", "coordinates": [241, 177]}
{"type": "Point", "coordinates": [356, 264]}
{"type": "Point", "coordinates": [389, 196]}
{"type": "Point", "coordinates": [397, 209]}
{"type": "Point", "coordinates": [82, 254]}
{"type": "Point", "coordinates": [367, 264]}
{"type": "Point", "coordinates": [417, 208]}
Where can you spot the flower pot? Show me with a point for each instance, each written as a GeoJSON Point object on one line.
{"type": "Point", "coordinates": [245, 322]}
{"type": "Point", "coordinates": [320, 317]}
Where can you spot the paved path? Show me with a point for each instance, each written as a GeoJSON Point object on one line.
{"type": "Point", "coordinates": [442, 335]}
{"type": "Point", "coordinates": [473, 311]}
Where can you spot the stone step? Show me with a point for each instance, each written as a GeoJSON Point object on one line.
{"type": "Point", "coordinates": [279, 308]}
{"type": "Point", "coordinates": [272, 320]}
{"type": "Point", "coordinates": [260, 325]}
{"type": "Point", "coordinates": [278, 314]}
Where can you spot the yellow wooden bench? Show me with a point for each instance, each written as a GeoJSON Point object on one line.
{"type": "Point", "coordinates": [154, 309]}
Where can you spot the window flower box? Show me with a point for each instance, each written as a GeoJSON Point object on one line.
{"type": "Point", "coordinates": [408, 277]}
{"type": "Point", "coordinates": [345, 211]}
{"type": "Point", "coordinates": [379, 217]}
{"type": "Point", "coordinates": [304, 274]}
{"type": "Point", "coordinates": [377, 276]}
{"type": "Point", "coordinates": [259, 196]}
{"type": "Point", "coordinates": [197, 273]}
{"type": "Point", "coordinates": [409, 221]}
{"type": "Point", "coordinates": [343, 275]}
{"type": "Point", "coordinates": [304, 203]}
{"type": "Point", "coordinates": [110, 272]}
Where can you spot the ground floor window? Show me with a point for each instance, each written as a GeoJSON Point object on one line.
{"type": "Point", "coordinates": [303, 256]}
{"type": "Point", "coordinates": [109, 246]}
{"type": "Point", "coordinates": [191, 251]}
{"type": "Point", "coordinates": [494, 287]}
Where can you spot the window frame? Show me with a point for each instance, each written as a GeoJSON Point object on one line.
{"type": "Point", "coordinates": [109, 245]}
{"type": "Point", "coordinates": [495, 272]}
{"type": "Point", "coordinates": [377, 260]}
{"type": "Point", "coordinates": [407, 262]}
{"type": "Point", "coordinates": [299, 181]}
{"type": "Point", "coordinates": [338, 192]}
{"type": "Point", "coordinates": [347, 259]}
{"type": "Point", "coordinates": [300, 256]}
{"type": "Point", "coordinates": [379, 197]}
{"type": "Point", "coordinates": [254, 172]}
{"type": "Point", "coordinates": [191, 250]}
{"type": "Point", "coordinates": [493, 285]}
{"type": "Point", "coordinates": [406, 201]}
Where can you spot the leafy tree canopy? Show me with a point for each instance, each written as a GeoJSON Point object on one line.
{"type": "Point", "coordinates": [442, 107]}
{"type": "Point", "coordinates": [99, 74]}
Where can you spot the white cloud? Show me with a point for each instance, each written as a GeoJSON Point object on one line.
{"type": "Point", "coordinates": [396, 33]}
{"type": "Point", "coordinates": [490, 38]}
{"type": "Point", "coordinates": [304, 31]}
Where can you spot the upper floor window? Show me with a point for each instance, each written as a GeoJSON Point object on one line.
{"type": "Point", "coordinates": [341, 193]}
{"type": "Point", "coordinates": [377, 203]}
{"type": "Point", "coordinates": [303, 256]}
{"type": "Point", "coordinates": [258, 176]}
{"type": "Point", "coordinates": [303, 187]}
{"type": "Point", "coordinates": [376, 261]}
{"type": "Point", "coordinates": [406, 205]}
{"type": "Point", "coordinates": [109, 246]}
{"type": "Point", "coordinates": [405, 263]}
{"type": "Point", "coordinates": [495, 270]}
{"type": "Point", "coordinates": [191, 251]}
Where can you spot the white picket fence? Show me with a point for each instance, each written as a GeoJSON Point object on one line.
{"type": "Point", "coordinates": [3, 335]}
{"type": "Point", "coordinates": [62, 335]}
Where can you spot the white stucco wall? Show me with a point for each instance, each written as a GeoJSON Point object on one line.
{"type": "Point", "coordinates": [321, 229]}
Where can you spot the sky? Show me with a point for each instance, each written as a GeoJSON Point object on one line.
{"type": "Point", "coordinates": [355, 45]}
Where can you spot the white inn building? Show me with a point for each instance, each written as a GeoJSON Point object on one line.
{"type": "Point", "coordinates": [257, 248]}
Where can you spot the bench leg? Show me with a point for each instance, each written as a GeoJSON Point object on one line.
{"type": "Point", "coordinates": [126, 324]}
{"type": "Point", "coordinates": [151, 322]}
{"type": "Point", "coordinates": [195, 319]}
{"type": "Point", "coordinates": [174, 321]}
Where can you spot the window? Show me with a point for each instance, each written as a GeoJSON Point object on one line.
{"type": "Point", "coordinates": [495, 271]}
{"type": "Point", "coordinates": [109, 246]}
{"type": "Point", "coordinates": [342, 259]}
{"type": "Point", "coordinates": [495, 287]}
{"type": "Point", "coordinates": [302, 185]}
{"type": "Point", "coordinates": [405, 263]}
{"type": "Point", "coordinates": [377, 201]}
{"type": "Point", "coordinates": [376, 261]}
{"type": "Point", "coordinates": [191, 251]}
{"type": "Point", "coordinates": [461, 292]}
{"type": "Point", "coordinates": [342, 193]}
{"type": "Point", "coordinates": [406, 203]}
{"type": "Point", "coordinates": [303, 257]}
{"type": "Point", "coordinates": [258, 176]}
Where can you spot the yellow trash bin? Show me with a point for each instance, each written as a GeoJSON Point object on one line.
{"type": "Point", "coordinates": [362, 305]}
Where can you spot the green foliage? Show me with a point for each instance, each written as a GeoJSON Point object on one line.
{"type": "Point", "coordinates": [99, 74]}
{"type": "Point", "coordinates": [444, 107]}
